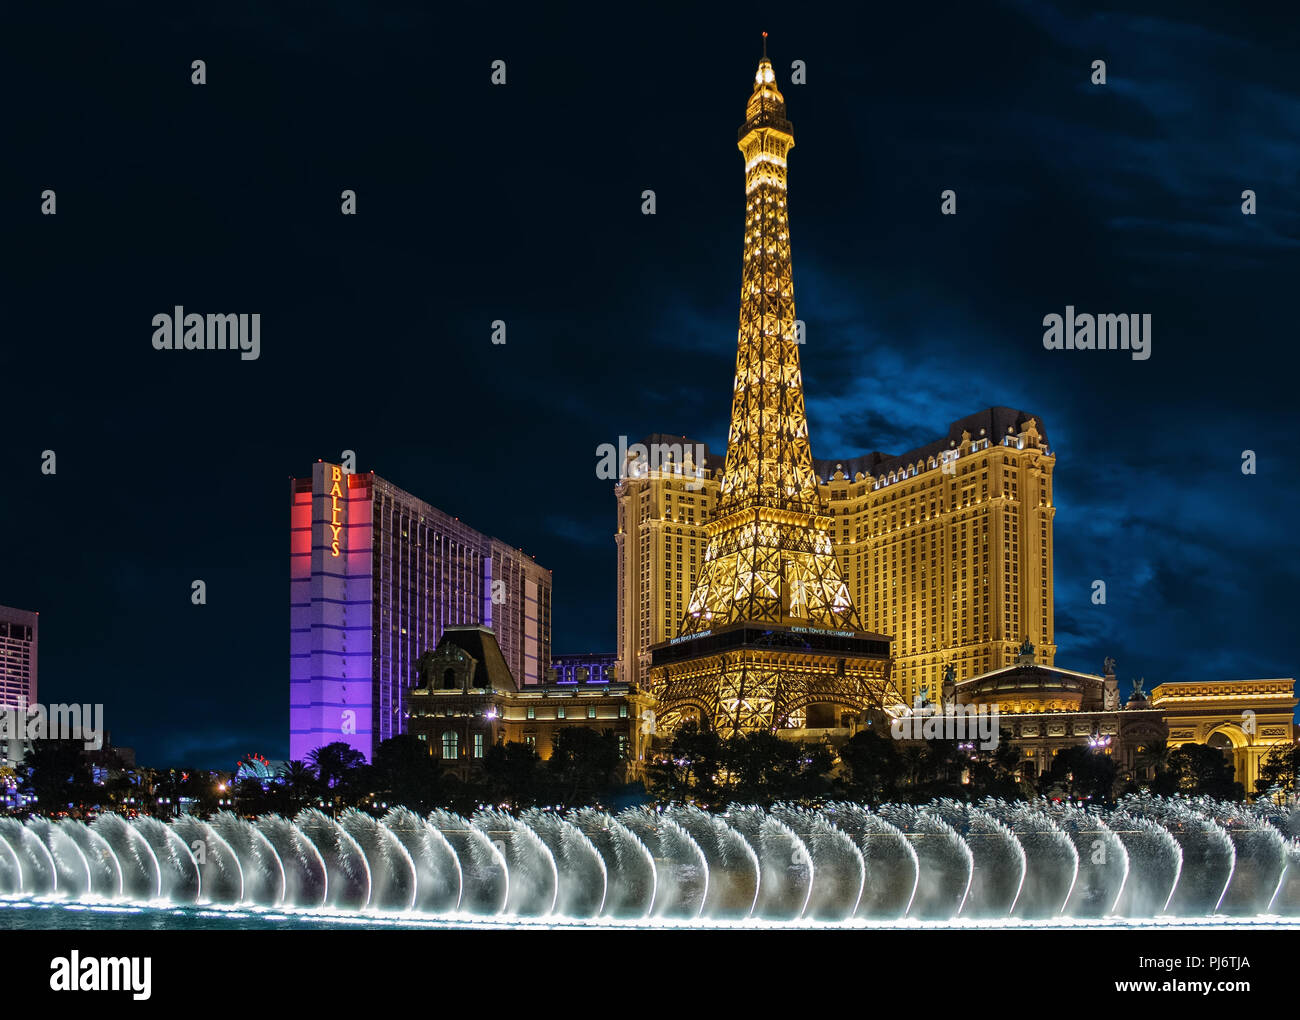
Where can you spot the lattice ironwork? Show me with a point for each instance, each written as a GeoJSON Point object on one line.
{"type": "Point", "coordinates": [768, 558]}
{"type": "Point", "coordinates": [757, 689]}
{"type": "Point", "coordinates": [768, 555]}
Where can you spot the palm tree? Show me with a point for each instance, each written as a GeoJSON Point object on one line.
{"type": "Point", "coordinates": [915, 759]}
{"type": "Point", "coordinates": [299, 782]}
{"type": "Point", "coordinates": [1151, 760]}
{"type": "Point", "coordinates": [333, 762]}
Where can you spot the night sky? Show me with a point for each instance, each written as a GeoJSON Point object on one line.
{"type": "Point", "coordinates": [523, 203]}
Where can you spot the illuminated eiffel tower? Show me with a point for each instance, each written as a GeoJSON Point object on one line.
{"type": "Point", "coordinates": [770, 632]}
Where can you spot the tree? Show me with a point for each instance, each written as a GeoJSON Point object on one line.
{"type": "Point", "coordinates": [1199, 770]}
{"type": "Point", "coordinates": [873, 767]}
{"type": "Point", "coordinates": [333, 763]}
{"type": "Point", "coordinates": [299, 784]}
{"type": "Point", "coordinates": [57, 773]}
{"type": "Point", "coordinates": [762, 768]}
{"type": "Point", "coordinates": [1080, 772]}
{"type": "Point", "coordinates": [512, 774]}
{"type": "Point", "coordinates": [915, 760]}
{"type": "Point", "coordinates": [1280, 767]}
{"type": "Point", "coordinates": [993, 771]}
{"type": "Point", "coordinates": [407, 773]}
{"type": "Point", "coordinates": [687, 770]}
{"type": "Point", "coordinates": [250, 796]}
{"type": "Point", "coordinates": [584, 764]}
{"type": "Point", "coordinates": [201, 788]}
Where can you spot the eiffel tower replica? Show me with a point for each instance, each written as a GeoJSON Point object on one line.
{"type": "Point", "coordinates": [770, 630]}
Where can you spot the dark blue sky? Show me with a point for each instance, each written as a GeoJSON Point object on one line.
{"type": "Point", "coordinates": [522, 203]}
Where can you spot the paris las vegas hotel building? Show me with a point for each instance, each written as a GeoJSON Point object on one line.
{"type": "Point", "coordinates": [947, 548]}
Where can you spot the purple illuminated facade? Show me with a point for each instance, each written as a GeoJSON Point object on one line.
{"type": "Point", "coordinates": [591, 668]}
{"type": "Point", "coordinates": [376, 576]}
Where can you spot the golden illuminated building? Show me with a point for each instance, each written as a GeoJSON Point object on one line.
{"type": "Point", "coordinates": [1242, 718]}
{"type": "Point", "coordinates": [770, 638]}
{"type": "Point", "coordinates": [944, 552]}
{"type": "Point", "coordinates": [947, 549]}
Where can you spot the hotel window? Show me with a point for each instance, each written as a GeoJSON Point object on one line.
{"type": "Point", "coordinates": [559, 712]}
{"type": "Point", "coordinates": [622, 711]}
{"type": "Point", "coordinates": [478, 745]}
{"type": "Point", "coordinates": [450, 744]}
{"type": "Point", "coordinates": [532, 712]}
{"type": "Point", "coordinates": [530, 740]}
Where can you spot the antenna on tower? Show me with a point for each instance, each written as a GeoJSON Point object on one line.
{"type": "Point", "coordinates": [764, 45]}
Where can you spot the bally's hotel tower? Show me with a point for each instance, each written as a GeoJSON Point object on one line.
{"type": "Point", "coordinates": [376, 575]}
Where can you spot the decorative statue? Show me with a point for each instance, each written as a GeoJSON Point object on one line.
{"type": "Point", "coordinates": [1027, 647]}
{"type": "Point", "coordinates": [949, 674]}
{"type": "Point", "coordinates": [1138, 692]}
{"type": "Point", "coordinates": [422, 666]}
{"type": "Point", "coordinates": [1108, 667]}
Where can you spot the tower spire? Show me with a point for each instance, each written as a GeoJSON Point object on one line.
{"type": "Point", "coordinates": [769, 555]}
{"type": "Point", "coordinates": [770, 633]}
{"type": "Point", "coordinates": [764, 45]}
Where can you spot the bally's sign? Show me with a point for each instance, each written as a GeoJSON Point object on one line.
{"type": "Point", "coordinates": [336, 508]}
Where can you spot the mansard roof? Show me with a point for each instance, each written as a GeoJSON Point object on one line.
{"type": "Point", "coordinates": [490, 666]}
{"type": "Point", "coordinates": [992, 423]}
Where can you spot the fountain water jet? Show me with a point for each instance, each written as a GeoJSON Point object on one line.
{"type": "Point", "coordinates": [582, 879]}
{"type": "Point", "coordinates": [1259, 853]}
{"type": "Point", "coordinates": [141, 875]}
{"type": "Point", "coordinates": [259, 863]}
{"type": "Point", "coordinates": [392, 872]}
{"type": "Point", "coordinates": [346, 867]}
{"type": "Point", "coordinates": [631, 878]}
{"type": "Point", "coordinates": [1103, 863]}
{"type": "Point", "coordinates": [733, 865]}
{"type": "Point", "coordinates": [1209, 857]}
{"type": "Point", "coordinates": [306, 878]}
{"type": "Point", "coordinates": [70, 864]}
{"type": "Point", "coordinates": [682, 873]}
{"type": "Point", "coordinates": [534, 880]}
{"type": "Point", "coordinates": [997, 859]}
{"type": "Point", "coordinates": [437, 871]}
{"type": "Point", "coordinates": [1051, 860]}
{"type": "Point", "coordinates": [37, 870]}
{"type": "Point", "coordinates": [945, 863]}
{"type": "Point", "coordinates": [892, 869]}
{"type": "Point", "coordinates": [1155, 862]}
{"type": "Point", "coordinates": [839, 872]}
{"type": "Point", "coordinates": [785, 866]}
{"type": "Point", "coordinates": [179, 880]}
{"type": "Point", "coordinates": [105, 871]}
{"type": "Point", "coordinates": [948, 862]}
{"type": "Point", "coordinates": [485, 878]}
{"type": "Point", "coordinates": [220, 875]}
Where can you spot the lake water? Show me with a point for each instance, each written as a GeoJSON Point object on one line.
{"type": "Point", "coordinates": [18, 914]}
